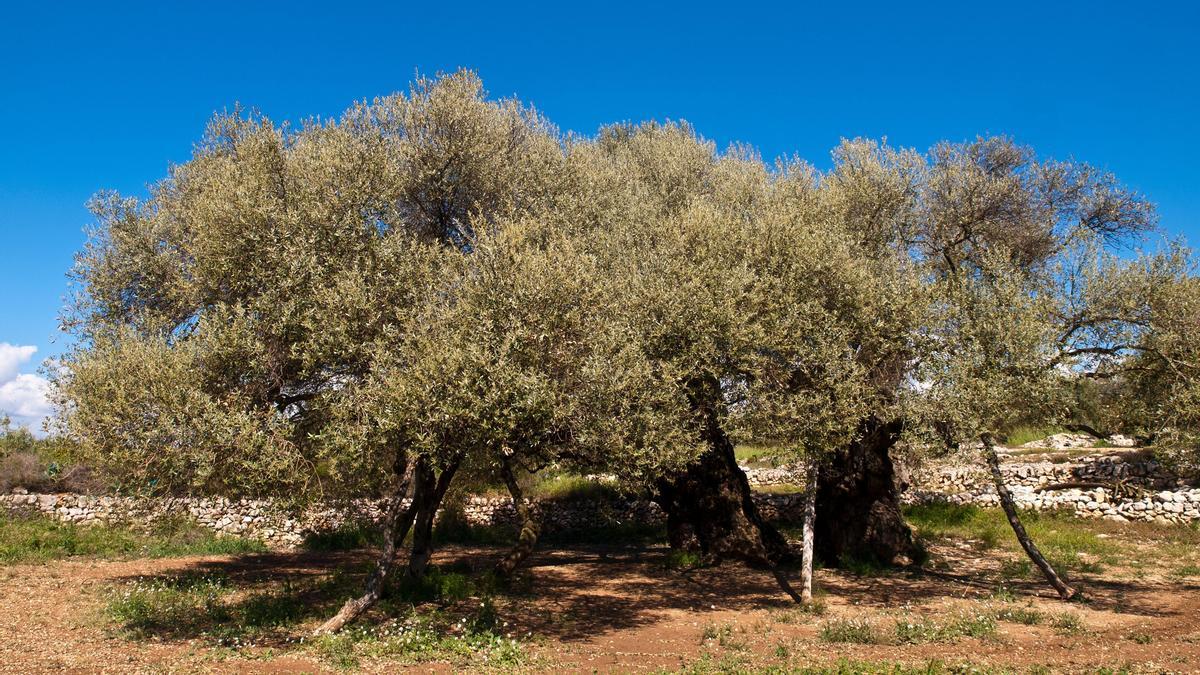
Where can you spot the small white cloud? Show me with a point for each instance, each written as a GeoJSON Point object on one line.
{"type": "Point", "coordinates": [23, 397]}
{"type": "Point", "coordinates": [11, 358]}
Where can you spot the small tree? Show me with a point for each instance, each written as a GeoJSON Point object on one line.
{"type": "Point", "coordinates": [992, 369]}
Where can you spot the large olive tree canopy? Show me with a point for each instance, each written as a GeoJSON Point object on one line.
{"type": "Point", "coordinates": [360, 307]}
{"type": "Point", "coordinates": [231, 323]}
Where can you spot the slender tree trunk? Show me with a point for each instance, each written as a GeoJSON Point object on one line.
{"type": "Point", "coordinates": [530, 526]}
{"type": "Point", "coordinates": [429, 502]}
{"type": "Point", "coordinates": [1010, 509]}
{"type": "Point", "coordinates": [398, 518]}
{"type": "Point", "coordinates": [810, 515]}
{"type": "Point", "coordinates": [858, 501]}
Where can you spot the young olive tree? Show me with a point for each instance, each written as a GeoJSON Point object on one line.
{"type": "Point", "coordinates": [993, 368]}
{"type": "Point", "coordinates": [1027, 298]}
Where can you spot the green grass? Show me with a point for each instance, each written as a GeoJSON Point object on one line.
{"type": "Point", "coordinates": [347, 537]}
{"type": "Point", "coordinates": [852, 631]}
{"type": "Point", "coordinates": [36, 539]}
{"type": "Point", "coordinates": [801, 613]}
{"type": "Point", "coordinates": [444, 616]}
{"type": "Point", "coordinates": [475, 639]}
{"type": "Point", "coordinates": [568, 487]}
{"type": "Point", "coordinates": [1026, 616]}
{"type": "Point", "coordinates": [918, 630]}
{"type": "Point", "coordinates": [147, 606]}
{"type": "Point", "coordinates": [909, 630]}
{"type": "Point", "coordinates": [1067, 623]}
{"type": "Point", "coordinates": [723, 635]}
{"type": "Point", "coordinates": [1187, 571]}
{"type": "Point", "coordinates": [1026, 434]}
{"type": "Point", "coordinates": [759, 455]}
{"type": "Point", "coordinates": [732, 663]}
{"type": "Point", "coordinates": [1140, 637]}
{"type": "Point", "coordinates": [678, 559]}
{"type": "Point", "coordinates": [1062, 537]}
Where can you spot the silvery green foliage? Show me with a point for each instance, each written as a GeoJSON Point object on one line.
{"type": "Point", "coordinates": [442, 275]}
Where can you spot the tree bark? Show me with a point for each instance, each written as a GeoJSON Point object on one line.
{"type": "Point", "coordinates": [709, 504]}
{"type": "Point", "coordinates": [398, 518]}
{"type": "Point", "coordinates": [530, 526]}
{"type": "Point", "coordinates": [1010, 510]}
{"type": "Point", "coordinates": [858, 514]}
{"type": "Point", "coordinates": [810, 515]}
{"type": "Point", "coordinates": [428, 501]}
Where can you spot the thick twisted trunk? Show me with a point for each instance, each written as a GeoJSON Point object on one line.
{"type": "Point", "coordinates": [709, 505]}
{"type": "Point", "coordinates": [397, 519]}
{"type": "Point", "coordinates": [710, 508]}
{"type": "Point", "coordinates": [530, 526]}
{"type": "Point", "coordinates": [1014, 520]}
{"type": "Point", "coordinates": [858, 513]}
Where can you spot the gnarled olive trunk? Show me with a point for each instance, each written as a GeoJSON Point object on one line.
{"type": "Point", "coordinates": [709, 505]}
{"type": "Point", "coordinates": [858, 513]}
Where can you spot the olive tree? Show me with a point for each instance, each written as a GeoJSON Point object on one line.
{"type": "Point", "coordinates": [750, 286]}
{"type": "Point", "coordinates": [1028, 296]}
{"type": "Point", "coordinates": [232, 328]}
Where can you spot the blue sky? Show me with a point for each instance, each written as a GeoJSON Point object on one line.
{"type": "Point", "coordinates": [105, 95]}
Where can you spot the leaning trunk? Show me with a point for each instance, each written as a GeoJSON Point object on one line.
{"type": "Point", "coordinates": [1010, 510]}
{"type": "Point", "coordinates": [858, 513]}
{"type": "Point", "coordinates": [530, 526]}
{"type": "Point", "coordinates": [810, 515]}
{"type": "Point", "coordinates": [397, 519]}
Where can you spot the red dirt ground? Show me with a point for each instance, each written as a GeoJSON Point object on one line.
{"type": "Point", "coordinates": [622, 610]}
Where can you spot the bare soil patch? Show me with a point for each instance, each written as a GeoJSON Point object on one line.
{"type": "Point", "coordinates": [596, 608]}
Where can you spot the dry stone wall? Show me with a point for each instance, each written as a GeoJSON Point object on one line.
{"type": "Point", "coordinates": [1118, 485]}
{"type": "Point", "coordinates": [259, 520]}
{"type": "Point", "coordinates": [1114, 486]}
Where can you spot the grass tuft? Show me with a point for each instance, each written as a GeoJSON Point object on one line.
{"type": "Point", "coordinates": [852, 631]}
{"type": "Point", "coordinates": [1067, 623]}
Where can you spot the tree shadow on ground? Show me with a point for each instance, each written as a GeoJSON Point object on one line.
{"type": "Point", "coordinates": [569, 593]}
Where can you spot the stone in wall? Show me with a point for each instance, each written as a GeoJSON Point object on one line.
{"type": "Point", "coordinates": [1113, 486]}
{"type": "Point", "coordinates": [260, 520]}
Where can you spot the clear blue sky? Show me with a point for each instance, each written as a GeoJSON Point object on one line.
{"type": "Point", "coordinates": [105, 95]}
